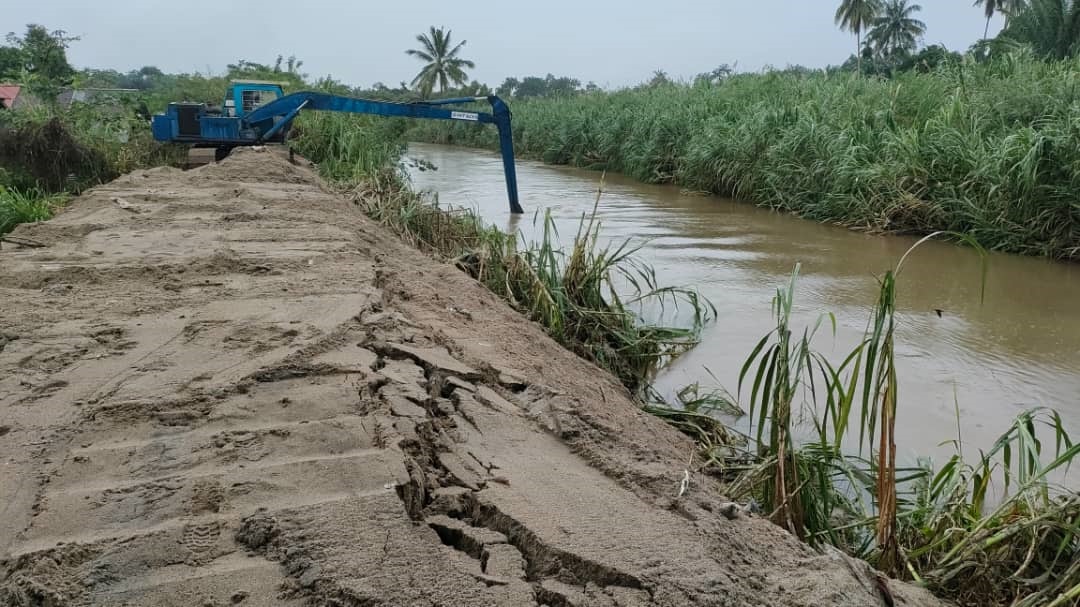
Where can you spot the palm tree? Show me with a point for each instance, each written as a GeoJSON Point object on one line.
{"type": "Point", "coordinates": [443, 65]}
{"type": "Point", "coordinates": [1050, 27]}
{"type": "Point", "coordinates": [1005, 7]}
{"type": "Point", "coordinates": [990, 7]}
{"type": "Point", "coordinates": [896, 31]}
{"type": "Point", "coordinates": [855, 16]}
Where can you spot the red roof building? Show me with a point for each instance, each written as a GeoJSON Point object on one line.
{"type": "Point", "coordinates": [8, 94]}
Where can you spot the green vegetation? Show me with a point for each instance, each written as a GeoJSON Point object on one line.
{"type": "Point", "coordinates": [1051, 28]}
{"type": "Point", "coordinates": [70, 149]}
{"type": "Point", "coordinates": [47, 152]}
{"type": "Point", "coordinates": [38, 59]}
{"type": "Point", "coordinates": [26, 207]}
{"type": "Point", "coordinates": [443, 66]}
{"type": "Point", "coordinates": [991, 8]}
{"type": "Point", "coordinates": [548, 86]}
{"type": "Point", "coordinates": [986, 149]}
{"type": "Point", "coordinates": [943, 528]}
{"type": "Point", "coordinates": [855, 16]}
{"type": "Point", "coordinates": [896, 31]}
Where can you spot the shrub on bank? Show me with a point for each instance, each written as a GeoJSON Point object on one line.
{"type": "Point", "coordinates": [46, 152]}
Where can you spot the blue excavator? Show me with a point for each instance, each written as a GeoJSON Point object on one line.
{"type": "Point", "coordinates": [257, 113]}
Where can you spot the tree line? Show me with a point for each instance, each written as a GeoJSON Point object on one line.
{"type": "Point", "coordinates": [1049, 28]}
{"type": "Point", "coordinates": [888, 35]}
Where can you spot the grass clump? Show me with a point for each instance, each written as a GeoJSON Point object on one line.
{"type": "Point", "coordinates": [1022, 548]}
{"type": "Point", "coordinates": [27, 206]}
{"type": "Point", "coordinates": [993, 532]}
{"type": "Point", "coordinates": [988, 149]}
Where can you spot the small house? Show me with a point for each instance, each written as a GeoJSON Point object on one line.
{"type": "Point", "coordinates": [12, 96]}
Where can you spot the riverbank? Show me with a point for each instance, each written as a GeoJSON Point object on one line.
{"type": "Point", "coordinates": [228, 385]}
{"type": "Point", "coordinates": [735, 252]}
{"type": "Point", "coordinates": [1001, 345]}
{"type": "Point", "coordinates": [985, 149]}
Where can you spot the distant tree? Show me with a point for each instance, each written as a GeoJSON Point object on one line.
{"type": "Point", "coordinates": [443, 66]}
{"type": "Point", "coordinates": [1004, 7]}
{"type": "Point", "coordinates": [11, 62]}
{"type": "Point", "coordinates": [475, 89]}
{"type": "Point", "coordinates": [291, 67]}
{"type": "Point", "coordinates": [928, 59]}
{"type": "Point", "coordinates": [142, 79]}
{"type": "Point", "coordinates": [92, 78]}
{"type": "Point", "coordinates": [659, 78]}
{"type": "Point", "coordinates": [328, 84]}
{"type": "Point", "coordinates": [250, 70]}
{"type": "Point", "coordinates": [716, 76]}
{"type": "Point", "coordinates": [530, 86]}
{"type": "Point", "coordinates": [508, 87]}
{"type": "Point", "coordinates": [1050, 27]}
{"type": "Point", "coordinates": [896, 32]}
{"type": "Point", "coordinates": [535, 86]}
{"type": "Point", "coordinates": [244, 66]}
{"type": "Point", "coordinates": [44, 63]}
{"type": "Point", "coordinates": [990, 8]}
{"type": "Point", "coordinates": [856, 16]}
{"type": "Point", "coordinates": [561, 86]}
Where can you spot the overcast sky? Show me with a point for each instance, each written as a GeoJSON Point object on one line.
{"type": "Point", "coordinates": [611, 43]}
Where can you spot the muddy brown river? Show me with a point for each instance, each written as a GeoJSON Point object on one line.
{"type": "Point", "coordinates": [1018, 348]}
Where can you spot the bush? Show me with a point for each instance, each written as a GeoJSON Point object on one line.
{"type": "Point", "coordinates": [25, 207]}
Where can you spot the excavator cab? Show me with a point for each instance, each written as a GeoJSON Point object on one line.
{"type": "Point", "coordinates": [211, 126]}
{"type": "Point", "coordinates": [244, 96]}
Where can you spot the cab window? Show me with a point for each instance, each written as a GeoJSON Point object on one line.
{"type": "Point", "coordinates": [252, 99]}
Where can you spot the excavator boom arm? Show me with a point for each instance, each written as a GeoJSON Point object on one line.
{"type": "Point", "coordinates": [243, 121]}
{"type": "Point", "coordinates": [269, 119]}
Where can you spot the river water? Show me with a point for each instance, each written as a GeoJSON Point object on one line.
{"type": "Point", "coordinates": [994, 356]}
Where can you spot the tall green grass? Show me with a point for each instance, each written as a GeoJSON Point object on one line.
{"type": "Point", "coordinates": [992, 150]}
{"type": "Point", "coordinates": [349, 148]}
{"type": "Point", "coordinates": [993, 532]}
{"type": "Point", "coordinates": [27, 206]}
{"type": "Point", "coordinates": [570, 291]}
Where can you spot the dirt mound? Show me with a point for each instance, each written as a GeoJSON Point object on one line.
{"type": "Point", "coordinates": [235, 389]}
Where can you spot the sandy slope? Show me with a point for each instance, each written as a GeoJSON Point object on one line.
{"type": "Point", "coordinates": [227, 386]}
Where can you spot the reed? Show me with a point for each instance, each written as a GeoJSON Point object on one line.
{"type": "Point", "coordinates": [945, 528]}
